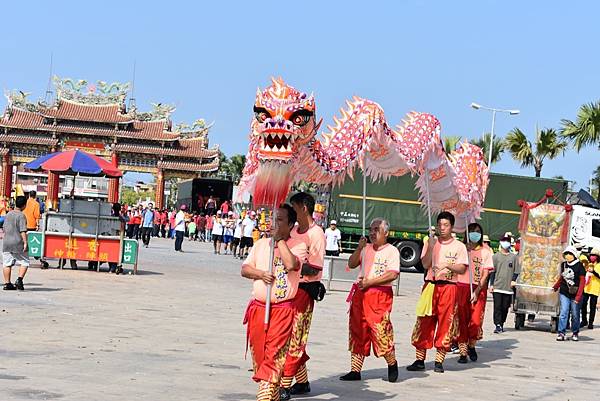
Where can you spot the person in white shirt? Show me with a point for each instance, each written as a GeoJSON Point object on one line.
{"type": "Point", "coordinates": [179, 227]}
{"type": "Point", "coordinates": [237, 236]}
{"type": "Point", "coordinates": [248, 225]}
{"type": "Point", "coordinates": [333, 240]}
{"type": "Point", "coordinates": [217, 232]}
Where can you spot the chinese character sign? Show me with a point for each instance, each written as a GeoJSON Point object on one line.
{"type": "Point", "coordinates": [130, 250]}
{"type": "Point", "coordinates": [103, 250]}
{"type": "Point", "coordinates": [34, 244]}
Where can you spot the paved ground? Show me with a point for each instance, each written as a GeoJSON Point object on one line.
{"type": "Point", "coordinates": [174, 332]}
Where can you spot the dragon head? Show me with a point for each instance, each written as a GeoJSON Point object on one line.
{"type": "Point", "coordinates": [284, 119]}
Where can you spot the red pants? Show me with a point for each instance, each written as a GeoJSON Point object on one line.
{"type": "Point", "coordinates": [442, 325]}
{"type": "Point", "coordinates": [370, 323]}
{"type": "Point", "coordinates": [470, 316]}
{"type": "Point", "coordinates": [297, 356]}
{"type": "Point", "coordinates": [269, 346]}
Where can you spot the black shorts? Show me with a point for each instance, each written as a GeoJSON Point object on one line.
{"type": "Point", "coordinates": [216, 238]}
{"type": "Point", "coordinates": [246, 242]}
{"type": "Point", "coordinates": [235, 241]}
{"type": "Point", "coordinates": [332, 253]}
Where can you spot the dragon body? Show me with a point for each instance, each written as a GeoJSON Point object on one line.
{"type": "Point", "coordinates": [284, 149]}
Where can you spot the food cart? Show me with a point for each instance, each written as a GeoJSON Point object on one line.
{"type": "Point", "coordinates": [83, 230]}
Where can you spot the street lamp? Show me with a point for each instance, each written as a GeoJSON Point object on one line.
{"type": "Point", "coordinates": [512, 112]}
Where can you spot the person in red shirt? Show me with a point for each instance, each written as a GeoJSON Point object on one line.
{"type": "Point", "coordinates": [472, 293]}
{"type": "Point", "coordinates": [156, 223]}
{"type": "Point", "coordinates": [444, 258]}
{"type": "Point", "coordinates": [225, 208]}
{"type": "Point", "coordinates": [371, 300]}
{"type": "Point", "coordinates": [310, 289]}
{"type": "Point", "coordinates": [269, 343]}
{"type": "Point", "coordinates": [164, 222]}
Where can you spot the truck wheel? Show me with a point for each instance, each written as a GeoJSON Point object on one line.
{"type": "Point", "coordinates": [410, 253]}
{"type": "Point", "coordinates": [419, 267]}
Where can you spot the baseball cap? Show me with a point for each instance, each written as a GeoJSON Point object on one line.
{"type": "Point", "coordinates": [253, 213]}
{"type": "Point", "coordinates": [230, 213]}
{"type": "Point", "coordinates": [333, 222]}
{"type": "Point", "coordinates": [486, 238]}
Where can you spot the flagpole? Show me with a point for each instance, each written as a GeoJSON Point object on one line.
{"type": "Point", "coordinates": [469, 258]}
{"type": "Point", "coordinates": [428, 200]}
{"type": "Point", "coordinates": [271, 259]}
{"type": "Point", "coordinates": [364, 217]}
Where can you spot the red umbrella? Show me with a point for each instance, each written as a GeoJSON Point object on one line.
{"type": "Point", "coordinates": [75, 162]}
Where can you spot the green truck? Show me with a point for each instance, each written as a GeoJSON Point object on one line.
{"type": "Point", "coordinates": [397, 201]}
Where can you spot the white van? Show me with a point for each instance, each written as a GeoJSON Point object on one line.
{"type": "Point", "coordinates": [585, 227]}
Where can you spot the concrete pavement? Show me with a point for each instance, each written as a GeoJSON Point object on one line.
{"type": "Point", "coordinates": [174, 332]}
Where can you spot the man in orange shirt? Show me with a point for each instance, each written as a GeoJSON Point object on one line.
{"type": "Point", "coordinates": [444, 258]}
{"type": "Point", "coordinates": [371, 299]}
{"type": "Point", "coordinates": [269, 343]}
{"type": "Point", "coordinates": [310, 289]}
{"type": "Point", "coordinates": [32, 212]}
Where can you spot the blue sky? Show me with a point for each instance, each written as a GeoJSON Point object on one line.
{"type": "Point", "coordinates": [434, 56]}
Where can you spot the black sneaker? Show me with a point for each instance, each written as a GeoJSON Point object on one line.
{"type": "Point", "coordinates": [19, 284]}
{"type": "Point", "coordinates": [9, 287]}
{"type": "Point", "coordinates": [393, 373]}
{"type": "Point", "coordinates": [44, 265]}
{"type": "Point", "coordinates": [284, 394]}
{"type": "Point", "coordinates": [498, 329]}
{"type": "Point", "coordinates": [463, 359]}
{"type": "Point", "coordinates": [350, 376]}
{"type": "Point", "coordinates": [583, 323]}
{"type": "Point", "coordinates": [591, 326]}
{"type": "Point", "coordinates": [416, 366]}
{"type": "Point", "coordinates": [438, 367]}
{"type": "Point", "coordinates": [454, 349]}
{"type": "Point", "coordinates": [472, 354]}
{"type": "Point", "coordinates": [302, 388]}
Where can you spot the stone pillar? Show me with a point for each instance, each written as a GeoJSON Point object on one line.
{"type": "Point", "coordinates": [160, 190]}
{"type": "Point", "coordinates": [113, 183]}
{"type": "Point", "coordinates": [52, 190]}
{"type": "Point", "coordinates": [6, 178]}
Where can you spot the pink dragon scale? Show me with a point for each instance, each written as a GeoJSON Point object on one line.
{"type": "Point", "coordinates": [284, 149]}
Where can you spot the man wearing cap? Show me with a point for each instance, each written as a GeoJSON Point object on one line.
{"type": "Point", "coordinates": [310, 289]}
{"type": "Point", "coordinates": [269, 343]}
{"type": "Point", "coordinates": [179, 227]}
{"type": "Point", "coordinates": [570, 286]}
{"type": "Point", "coordinates": [248, 225]}
{"type": "Point", "coordinates": [333, 240]}
{"type": "Point", "coordinates": [502, 281]}
{"type": "Point", "coordinates": [228, 230]}
{"type": "Point", "coordinates": [217, 232]}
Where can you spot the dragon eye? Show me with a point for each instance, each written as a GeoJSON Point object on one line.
{"type": "Point", "coordinates": [301, 117]}
{"type": "Point", "coordinates": [261, 114]}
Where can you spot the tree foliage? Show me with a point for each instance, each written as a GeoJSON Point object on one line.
{"type": "Point", "coordinates": [548, 144]}
{"type": "Point", "coordinates": [498, 147]}
{"type": "Point", "coordinates": [450, 143]}
{"type": "Point", "coordinates": [585, 130]}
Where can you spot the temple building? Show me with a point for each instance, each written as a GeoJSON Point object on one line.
{"type": "Point", "coordinates": [94, 118]}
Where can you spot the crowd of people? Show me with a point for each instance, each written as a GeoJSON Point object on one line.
{"type": "Point", "coordinates": [450, 310]}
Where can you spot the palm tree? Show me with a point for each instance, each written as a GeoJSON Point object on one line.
{"type": "Point", "coordinates": [498, 147]}
{"type": "Point", "coordinates": [548, 144]}
{"type": "Point", "coordinates": [450, 143]}
{"type": "Point", "coordinates": [586, 129]}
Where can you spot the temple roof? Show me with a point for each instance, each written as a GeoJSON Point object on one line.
{"type": "Point", "coordinates": [183, 148]}
{"type": "Point", "coordinates": [188, 166]}
{"type": "Point", "coordinates": [105, 113]}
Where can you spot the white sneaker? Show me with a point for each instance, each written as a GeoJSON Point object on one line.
{"type": "Point", "coordinates": [575, 337]}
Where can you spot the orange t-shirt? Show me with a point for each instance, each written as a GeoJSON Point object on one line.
{"type": "Point", "coordinates": [32, 213]}
{"type": "Point", "coordinates": [314, 238]}
{"type": "Point", "coordinates": [479, 259]}
{"type": "Point", "coordinates": [451, 252]}
{"type": "Point", "coordinates": [378, 262]}
{"type": "Point", "coordinates": [285, 285]}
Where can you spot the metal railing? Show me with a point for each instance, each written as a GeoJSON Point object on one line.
{"type": "Point", "coordinates": [335, 270]}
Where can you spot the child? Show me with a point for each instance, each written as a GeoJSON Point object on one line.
{"type": "Point", "coordinates": [14, 247]}
{"type": "Point", "coordinates": [192, 230]}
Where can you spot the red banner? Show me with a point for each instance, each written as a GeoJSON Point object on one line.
{"type": "Point", "coordinates": [61, 247]}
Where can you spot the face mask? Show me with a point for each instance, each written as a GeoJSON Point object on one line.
{"type": "Point", "coordinates": [505, 244]}
{"type": "Point", "coordinates": [474, 236]}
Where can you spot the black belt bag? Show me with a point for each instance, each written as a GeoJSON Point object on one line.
{"type": "Point", "coordinates": [316, 290]}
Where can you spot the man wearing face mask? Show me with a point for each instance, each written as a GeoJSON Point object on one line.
{"type": "Point", "coordinates": [502, 282]}
{"type": "Point", "coordinates": [570, 285]}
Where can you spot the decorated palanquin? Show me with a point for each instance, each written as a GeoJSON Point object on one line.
{"type": "Point", "coordinates": [544, 233]}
